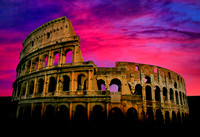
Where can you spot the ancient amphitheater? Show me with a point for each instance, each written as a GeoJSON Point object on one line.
{"type": "Point", "coordinates": [49, 86]}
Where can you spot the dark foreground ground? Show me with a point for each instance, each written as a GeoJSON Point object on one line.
{"type": "Point", "coordinates": [8, 109]}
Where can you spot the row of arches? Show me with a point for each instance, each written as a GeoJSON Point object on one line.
{"type": "Point", "coordinates": [62, 112]}
{"type": "Point", "coordinates": [46, 59]}
{"type": "Point", "coordinates": [100, 114]}
{"type": "Point", "coordinates": [178, 97]}
{"type": "Point", "coordinates": [175, 96]}
{"type": "Point", "coordinates": [38, 88]}
{"type": "Point", "coordinates": [147, 80]}
{"type": "Point", "coordinates": [115, 86]}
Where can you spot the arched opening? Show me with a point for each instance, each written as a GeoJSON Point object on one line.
{"type": "Point", "coordinates": [148, 93]}
{"type": "Point", "coordinates": [167, 119]}
{"type": "Point", "coordinates": [40, 85]}
{"type": "Point", "coordinates": [159, 117]}
{"type": "Point", "coordinates": [98, 114]}
{"type": "Point", "coordinates": [28, 66]}
{"type": "Point", "coordinates": [174, 120]}
{"type": "Point", "coordinates": [171, 94]}
{"type": "Point", "coordinates": [66, 83]}
{"type": "Point", "coordinates": [56, 58]}
{"type": "Point", "coordinates": [165, 93]}
{"type": "Point", "coordinates": [21, 113]}
{"type": "Point", "coordinates": [80, 114]}
{"type": "Point", "coordinates": [157, 93]}
{"type": "Point", "coordinates": [49, 114]}
{"type": "Point", "coordinates": [45, 62]}
{"type": "Point", "coordinates": [180, 95]}
{"type": "Point", "coordinates": [19, 90]}
{"type": "Point", "coordinates": [132, 114]}
{"type": "Point", "coordinates": [115, 85]}
{"type": "Point", "coordinates": [81, 82]}
{"type": "Point", "coordinates": [101, 85]}
{"type": "Point", "coordinates": [52, 84]}
{"type": "Point", "coordinates": [175, 85]}
{"type": "Point", "coordinates": [169, 75]}
{"type": "Point", "coordinates": [23, 89]}
{"type": "Point", "coordinates": [27, 113]}
{"type": "Point", "coordinates": [37, 112]}
{"type": "Point", "coordinates": [63, 113]}
{"type": "Point", "coordinates": [115, 114]}
{"type": "Point", "coordinates": [155, 70]}
{"type": "Point", "coordinates": [69, 56]}
{"type": "Point", "coordinates": [23, 69]}
{"type": "Point", "coordinates": [31, 87]}
{"type": "Point", "coordinates": [136, 68]}
{"type": "Point", "coordinates": [147, 80]}
{"type": "Point", "coordinates": [35, 63]}
{"type": "Point", "coordinates": [138, 89]}
{"type": "Point", "coordinates": [149, 115]}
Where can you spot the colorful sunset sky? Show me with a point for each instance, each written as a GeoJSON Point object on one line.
{"type": "Point", "coordinates": [165, 33]}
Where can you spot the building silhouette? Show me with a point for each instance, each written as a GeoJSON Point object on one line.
{"type": "Point", "coordinates": [54, 83]}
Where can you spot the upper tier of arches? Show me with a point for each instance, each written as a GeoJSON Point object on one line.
{"type": "Point", "coordinates": [53, 32]}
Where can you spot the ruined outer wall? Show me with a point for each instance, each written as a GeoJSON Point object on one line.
{"type": "Point", "coordinates": [167, 94]}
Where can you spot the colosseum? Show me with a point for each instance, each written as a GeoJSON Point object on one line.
{"type": "Point", "coordinates": [54, 83]}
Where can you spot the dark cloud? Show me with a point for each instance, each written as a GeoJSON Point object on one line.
{"type": "Point", "coordinates": [18, 15]}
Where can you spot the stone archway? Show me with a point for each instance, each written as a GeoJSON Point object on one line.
{"type": "Point", "coordinates": [80, 114]}
{"type": "Point", "coordinates": [98, 114]}
{"type": "Point", "coordinates": [132, 114]}
{"type": "Point", "coordinates": [115, 114]}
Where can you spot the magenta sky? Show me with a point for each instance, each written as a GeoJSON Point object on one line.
{"type": "Point", "coordinates": [165, 33]}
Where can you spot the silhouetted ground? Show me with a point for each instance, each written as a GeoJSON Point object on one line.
{"type": "Point", "coordinates": [8, 109]}
{"type": "Point", "coordinates": [194, 110]}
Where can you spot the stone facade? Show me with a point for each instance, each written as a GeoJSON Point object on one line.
{"type": "Point", "coordinates": [79, 90]}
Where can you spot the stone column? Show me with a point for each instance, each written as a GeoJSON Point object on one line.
{"type": "Point", "coordinates": [46, 85]}
{"type": "Point", "coordinates": [32, 110]}
{"type": "Point", "coordinates": [72, 83]}
{"type": "Point", "coordinates": [144, 100]}
{"type": "Point", "coordinates": [174, 94]}
{"type": "Point", "coordinates": [60, 57]}
{"type": "Point", "coordinates": [63, 57]}
{"type": "Point", "coordinates": [89, 80]}
{"type": "Point", "coordinates": [70, 111]}
{"type": "Point", "coordinates": [143, 93]}
{"type": "Point", "coordinates": [142, 78]}
{"type": "Point", "coordinates": [40, 63]}
{"type": "Point", "coordinates": [168, 95]}
{"type": "Point", "coordinates": [107, 109]}
{"type": "Point", "coordinates": [88, 111]}
{"type": "Point", "coordinates": [30, 66]}
{"type": "Point", "coordinates": [153, 93]}
{"type": "Point", "coordinates": [35, 87]}
{"type": "Point", "coordinates": [170, 116]}
{"type": "Point", "coordinates": [27, 88]}
{"type": "Point", "coordinates": [49, 59]}
{"type": "Point", "coordinates": [43, 110]}
{"type": "Point", "coordinates": [74, 54]}
{"type": "Point", "coordinates": [161, 96]}
{"type": "Point", "coordinates": [57, 85]}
